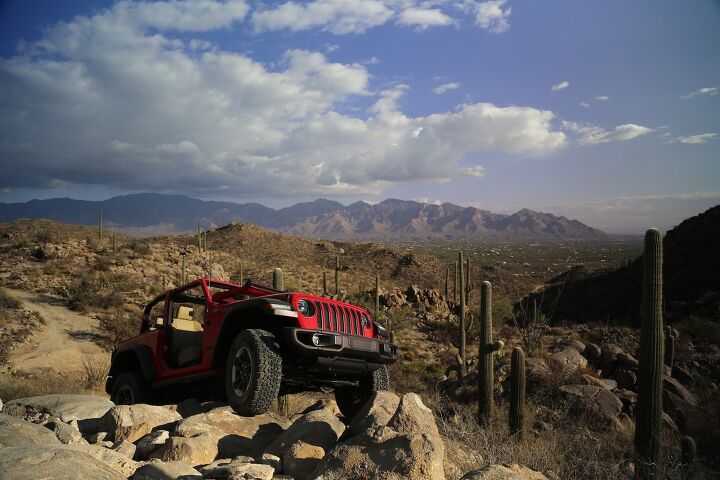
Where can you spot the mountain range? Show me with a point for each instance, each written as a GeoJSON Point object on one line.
{"type": "Point", "coordinates": [392, 219]}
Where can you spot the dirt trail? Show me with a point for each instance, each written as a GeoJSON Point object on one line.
{"type": "Point", "coordinates": [62, 343]}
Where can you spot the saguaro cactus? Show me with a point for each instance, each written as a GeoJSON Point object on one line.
{"type": "Point", "coordinates": [468, 283]}
{"type": "Point", "coordinates": [325, 289]}
{"type": "Point", "coordinates": [278, 283]}
{"type": "Point", "coordinates": [648, 413]}
{"type": "Point", "coordinates": [337, 275]}
{"type": "Point", "coordinates": [240, 274]}
{"type": "Point", "coordinates": [688, 455]}
{"type": "Point", "coordinates": [486, 350]}
{"type": "Point", "coordinates": [516, 419]}
{"type": "Point", "coordinates": [183, 273]}
{"type": "Point", "coordinates": [377, 296]}
{"type": "Point", "coordinates": [199, 236]}
{"type": "Point", "coordinates": [669, 347]}
{"type": "Point", "coordinates": [463, 358]}
{"type": "Point", "coordinates": [100, 226]}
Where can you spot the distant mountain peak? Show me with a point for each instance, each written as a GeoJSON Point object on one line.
{"type": "Point", "coordinates": [391, 219]}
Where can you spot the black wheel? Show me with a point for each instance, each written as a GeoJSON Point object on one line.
{"type": "Point", "coordinates": [253, 372]}
{"type": "Point", "coordinates": [351, 399]}
{"type": "Point", "coordinates": [129, 388]}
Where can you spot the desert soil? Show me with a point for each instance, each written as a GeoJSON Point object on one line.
{"type": "Point", "coordinates": [62, 343]}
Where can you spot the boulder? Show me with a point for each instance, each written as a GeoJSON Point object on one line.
{"type": "Point", "coordinates": [114, 460]}
{"type": "Point", "coordinates": [606, 383]}
{"type": "Point", "coordinates": [86, 409]}
{"type": "Point", "coordinates": [569, 360]}
{"type": "Point", "coordinates": [240, 467]}
{"type": "Point", "coordinates": [504, 472]}
{"type": "Point", "coordinates": [627, 360]}
{"type": "Point", "coordinates": [234, 435]}
{"type": "Point", "coordinates": [377, 412]}
{"type": "Point", "coordinates": [608, 355]}
{"type": "Point", "coordinates": [595, 401]}
{"type": "Point", "coordinates": [592, 353]}
{"type": "Point", "coordinates": [132, 433]}
{"type": "Point", "coordinates": [319, 428]}
{"type": "Point", "coordinates": [200, 449]}
{"type": "Point", "coordinates": [166, 471]}
{"type": "Point", "coordinates": [626, 379]}
{"type": "Point", "coordinates": [673, 386]}
{"type": "Point", "coordinates": [272, 460]}
{"type": "Point", "coordinates": [126, 448]}
{"type": "Point", "coordinates": [569, 343]}
{"type": "Point", "coordinates": [64, 432]}
{"type": "Point", "coordinates": [412, 416]}
{"type": "Point", "coordinates": [16, 432]}
{"type": "Point", "coordinates": [122, 419]}
{"type": "Point", "coordinates": [384, 453]}
{"type": "Point", "coordinates": [151, 442]}
{"type": "Point", "coordinates": [301, 459]}
{"type": "Point", "coordinates": [537, 369]}
{"type": "Point", "coordinates": [32, 462]}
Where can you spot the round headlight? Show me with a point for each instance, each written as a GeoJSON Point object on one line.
{"type": "Point", "coordinates": [365, 321]}
{"type": "Point", "coordinates": [306, 308]}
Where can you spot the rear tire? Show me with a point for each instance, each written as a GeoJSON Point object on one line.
{"type": "Point", "coordinates": [351, 399]}
{"type": "Point", "coordinates": [130, 388]}
{"type": "Point", "coordinates": [253, 372]}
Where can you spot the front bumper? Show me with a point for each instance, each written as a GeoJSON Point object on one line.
{"type": "Point", "coordinates": [338, 347]}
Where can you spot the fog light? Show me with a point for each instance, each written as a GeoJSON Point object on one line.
{"type": "Point", "coordinates": [316, 339]}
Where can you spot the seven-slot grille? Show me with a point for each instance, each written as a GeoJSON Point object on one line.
{"type": "Point", "coordinates": [338, 318]}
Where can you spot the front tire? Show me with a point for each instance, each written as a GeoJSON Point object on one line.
{"type": "Point", "coordinates": [128, 389]}
{"type": "Point", "coordinates": [253, 372]}
{"type": "Point", "coordinates": [351, 399]}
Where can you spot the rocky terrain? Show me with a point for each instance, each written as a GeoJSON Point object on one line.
{"type": "Point", "coordinates": [82, 436]}
{"type": "Point", "coordinates": [389, 220]}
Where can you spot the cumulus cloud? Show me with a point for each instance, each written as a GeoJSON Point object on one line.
{"type": "Point", "coordinates": [113, 99]}
{"type": "Point", "coordinates": [560, 86]}
{"type": "Point", "coordinates": [585, 104]}
{"type": "Point", "coordinates": [423, 18]}
{"type": "Point", "coordinates": [693, 139]}
{"type": "Point", "coordinates": [335, 16]}
{"type": "Point", "coordinates": [490, 15]}
{"type": "Point", "coordinates": [602, 98]}
{"type": "Point", "coordinates": [589, 134]}
{"type": "Point", "coordinates": [702, 91]}
{"type": "Point", "coordinates": [445, 87]}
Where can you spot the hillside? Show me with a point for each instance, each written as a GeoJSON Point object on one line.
{"type": "Point", "coordinates": [392, 219]}
{"type": "Point", "coordinates": [691, 279]}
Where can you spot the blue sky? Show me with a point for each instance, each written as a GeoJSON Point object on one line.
{"type": "Point", "coordinates": [606, 112]}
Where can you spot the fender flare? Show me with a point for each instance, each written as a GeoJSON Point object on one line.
{"type": "Point", "coordinates": [140, 354]}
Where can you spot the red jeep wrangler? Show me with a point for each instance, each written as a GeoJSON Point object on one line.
{"type": "Point", "coordinates": [256, 342]}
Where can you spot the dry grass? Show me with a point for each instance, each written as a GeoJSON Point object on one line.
{"type": "Point", "coordinates": [15, 385]}
{"type": "Point", "coordinates": [95, 369]}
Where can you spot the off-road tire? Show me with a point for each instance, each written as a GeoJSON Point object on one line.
{"type": "Point", "coordinates": [130, 388]}
{"type": "Point", "coordinates": [263, 385]}
{"type": "Point", "coordinates": [351, 399]}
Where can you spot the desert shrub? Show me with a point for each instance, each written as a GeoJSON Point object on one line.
{"type": "Point", "coordinates": [96, 368]}
{"type": "Point", "coordinates": [8, 302]}
{"type": "Point", "coordinates": [39, 253]}
{"type": "Point", "coordinates": [139, 248]}
{"type": "Point", "coordinates": [99, 290]}
{"type": "Point", "coordinates": [102, 264]}
{"type": "Point", "coordinates": [119, 325]}
{"type": "Point", "coordinates": [43, 236]}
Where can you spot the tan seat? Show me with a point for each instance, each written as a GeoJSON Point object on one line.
{"type": "Point", "coordinates": [185, 322]}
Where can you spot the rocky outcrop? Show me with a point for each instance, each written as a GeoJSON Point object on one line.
{"type": "Point", "coordinates": [53, 461]}
{"type": "Point", "coordinates": [599, 403]}
{"type": "Point", "coordinates": [375, 413]}
{"type": "Point", "coordinates": [16, 432]}
{"type": "Point", "coordinates": [85, 409]}
{"type": "Point", "coordinates": [504, 472]}
{"type": "Point", "coordinates": [135, 421]}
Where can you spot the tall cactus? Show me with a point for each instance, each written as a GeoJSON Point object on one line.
{"type": "Point", "coordinates": [199, 236]}
{"type": "Point", "coordinates": [648, 416]}
{"type": "Point", "coordinates": [486, 349]}
{"type": "Point", "coordinates": [516, 418]}
{"type": "Point", "coordinates": [100, 226]}
{"type": "Point", "coordinates": [337, 275]}
{"type": "Point", "coordinates": [325, 289]}
{"type": "Point", "coordinates": [183, 272]}
{"type": "Point", "coordinates": [468, 283]}
{"type": "Point", "coordinates": [278, 283]}
{"type": "Point", "coordinates": [463, 358]}
{"type": "Point", "coordinates": [377, 296]}
{"type": "Point", "coordinates": [669, 347]}
{"type": "Point", "coordinates": [240, 273]}
{"type": "Point", "coordinates": [688, 455]}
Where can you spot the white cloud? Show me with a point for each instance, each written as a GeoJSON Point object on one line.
{"type": "Point", "coordinates": [335, 16]}
{"type": "Point", "coordinates": [584, 104]}
{"type": "Point", "coordinates": [445, 87]}
{"type": "Point", "coordinates": [589, 134]}
{"type": "Point", "coordinates": [602, 98]}
{"type": "Point", "coordinates": [694, 139]}
{"type": "Point", "coordinates": [702, 91]}
{"type": "Point", "coordinates": [560, 86]}
{"type": "Point", "coordinates": [422, 18]}
{"type": "Point", "coordinates": [490, 15]}
{"type": "Point", "coordinates": [111, 100]}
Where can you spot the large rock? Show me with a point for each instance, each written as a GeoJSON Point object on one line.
{"type": "Point", "coordinates": [16, 432]}
{"type": "Point", "coordinates": [125, 420]}
{"type": "Point", "coordinates": [412, 416]}
{"type": "Point", "coordinates": [240, 467]}
{"type": "Point", "coordinates": [320, 428]}
{"type": "Point", "coordinates": [151, 442]}
{"type": "Point", "coordinates": [384, 454]}
{"type": "Point", "coordinates": [66, 407]}
{"type": "Point", "coordinates": [608, 355]}
{"type": "Point", "coordinates": [114, 460]}
{"type": "Point", "coordinates": [504, 472]}
{"type": "Point", "coordinates": [166, 471]}
{"type": "Point", "coordinates": [377, 412]}
{"type": "Point", "coordinates": [598, 402]}
{"type": "Point", "coordinates": [673, 386]}
{"type": "Point", "coordinates": [569, 360]}
{"type": "Point", "coordinates": [235, 435]}
{"type": "Point", "coordinates": [52, 461]}
{"type": "Point", "coordinates": [200, 449]}
{"type": "Point", "coordinates": [566, 343]}
{"type": "Point", "coordinates": [606, 383]}
{"type": "Point", "coordinates": [626, 379]}
{"type": "Point", "coordinates": [64, 432]}
{"type": "Point", "coordinates": [301, 459]}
